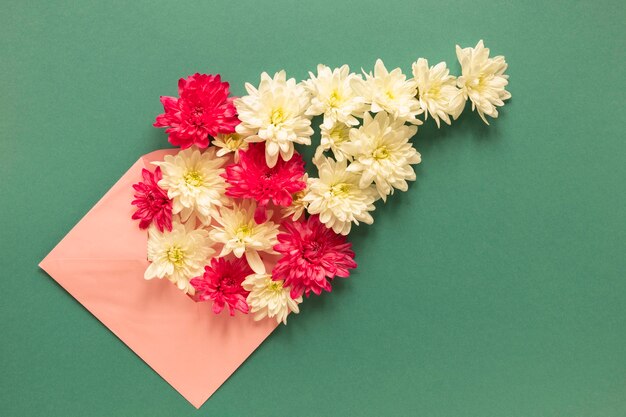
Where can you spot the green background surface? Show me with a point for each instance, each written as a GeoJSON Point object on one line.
{"type": "Point", "coordinates": [494, 287]}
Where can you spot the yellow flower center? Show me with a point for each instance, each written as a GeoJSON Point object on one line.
{"type": "Point", "coordinates": [338, 135]}
{"type": "Point", "coordinates": [390, 95]}
{"type": "Point", "coordinates": [244, 231]}
{"type": "Point", "coordinates": [278, 116]}
{"type": "Point", "coordinates": [380, 153]}
{"type": "Point", "coordinates": [479, 83]}
{"type": "Point", "coordinates": [334, 99]}
{"type": "Point", "coordinates": [233, 141]}
{"type": "Point", "coordinates": [340, 190]}
{"type": "Point", "coordinates": [434, 91]}
{"type": "Point", "coordinates": [176, 256]}
{"type": "Point", "coordinates": [275, 286]}
{"type": "Point", "coordinates": [193, 178]}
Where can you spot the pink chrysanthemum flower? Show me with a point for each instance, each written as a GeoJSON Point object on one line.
{"type": "Point", "coordinates": [312, 255]}
{"type": "Point", "coordinates": [252, 178]}
{"type": "Point", "coordinates": [203, 109]}
{"type": "Point", "coordinates": [221, 283]}
{"type": "Point", "coordinates": [153, 204]}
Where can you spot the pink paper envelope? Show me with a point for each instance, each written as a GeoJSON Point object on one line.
{"type": "Point", "coordinates": [101, 263]}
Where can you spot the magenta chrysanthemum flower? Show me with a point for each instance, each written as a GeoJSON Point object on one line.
{"type": "Point", "coordinates": [203, 109]}
{"type": "Point", "coordinates": [252, 178]}
{"type": "Point", "coordinates": [153, 204]}
{"type": "Point", "coordinates": [312, 255]}
{"type": "Point", "coordinates": [221, 283]}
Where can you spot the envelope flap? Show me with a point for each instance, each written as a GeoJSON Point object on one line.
{"type": "Point", "coordinates": [101, 232]}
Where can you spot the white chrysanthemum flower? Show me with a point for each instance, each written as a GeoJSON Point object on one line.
{"type": "Point", "coordinates": [383, 154]}
{"type": "Point", "coordinates": [275, 113]}
{"type": "Point", "coordinates": [193, 182]}
{"type": "Point", "coordinates": [230, 142]}
{"type": "Point", "coordinates": [483, 79]}
{"type": "Point", "coordinates": [269, 298]}
{"type": "Point", "coordinates": [241, 235]}
{"type": "Point", "coordinates": [178, 255]}
{"type": "Point", "coordinates": [390, 92]}
{"type": "Point", "coordinates": [437, 91]}
{"type": "Point", "coordinates": [334, 138]}
{"type": "Point", "coordinates": [337, 197]}
{"type": "Point", "coordinates": [298, 205]}
{"type": "Point", "coordinates": [333, 96]}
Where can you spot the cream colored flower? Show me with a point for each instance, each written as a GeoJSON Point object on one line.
{"type": "Point", "coordinates": [391, 92]}
{"type": "Point", "coordinates": [178, 255]}
{"type": "Point", "coordinates": [333, 96]}
{"type": "Point", "coordinates": [483, 79]}
{"type": "Point", "coordinates": [193, 183]}
{"type": "Point", "coordinates": [334, 138]}
{"type": "Point", "coordinates": [298, 205]}
{"type": "Point", "coordinates": [337, 197]}
{"type": "Point", "coordinates": [383, 154]}
{"type": "Point", "coordinates": [275, 113]}
{"type": "Point", "coordinates": [241, 235]}
{"type": "Point", "coordinates": [230, 142]}
{"type": "Point", "coordinates": [437, 91]}
{"type": "Point", "coordinates": [269, 298]}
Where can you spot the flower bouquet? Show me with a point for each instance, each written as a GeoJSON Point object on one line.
{"type": "Point", "coordinates": [232, 221]}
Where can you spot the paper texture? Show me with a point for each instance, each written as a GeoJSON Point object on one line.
{"type": "Point", "coordinates": [101, 263]}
